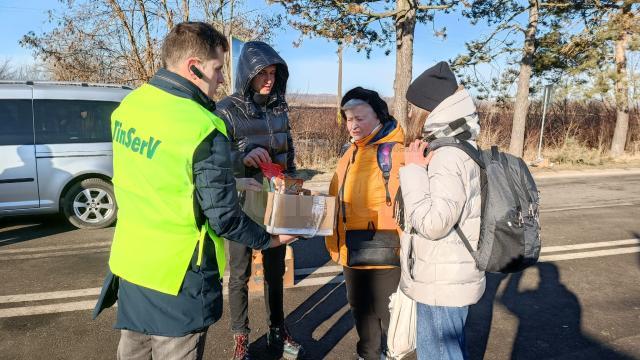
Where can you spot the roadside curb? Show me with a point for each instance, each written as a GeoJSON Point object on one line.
{"type": "Point", "coordinates": [586, 173]}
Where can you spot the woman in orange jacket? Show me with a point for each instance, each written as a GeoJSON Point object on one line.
{"type": "Point", "coordinates": [366, 238]}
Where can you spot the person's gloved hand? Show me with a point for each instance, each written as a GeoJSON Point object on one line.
{"type": "Point", "coordinates": [244, 184]}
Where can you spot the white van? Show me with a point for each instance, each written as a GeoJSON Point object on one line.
{"type": "Point", "coordinates": [55, 150]}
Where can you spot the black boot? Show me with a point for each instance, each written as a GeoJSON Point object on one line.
{"type": "Point", "coordinates": [280, 341]}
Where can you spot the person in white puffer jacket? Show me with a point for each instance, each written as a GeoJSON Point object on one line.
{"type": "Point", "coordinates": [440, 191]}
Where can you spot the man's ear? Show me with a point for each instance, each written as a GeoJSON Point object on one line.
{"type": "Point", "coordinates": [192, 68]}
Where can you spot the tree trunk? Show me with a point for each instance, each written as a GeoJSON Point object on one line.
{"type": "Point", "coordinates": [405, 26]}
{"type": "Point", "coordinates": [622, 87]}
{"type": "Point", "coordinates": [521, 106]}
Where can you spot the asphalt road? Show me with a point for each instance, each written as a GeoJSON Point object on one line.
{"type": "Point", "coordinates": [582, 301]}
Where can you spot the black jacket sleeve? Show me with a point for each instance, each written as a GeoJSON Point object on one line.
{"type": "Point", "coordinates": [217, 195]}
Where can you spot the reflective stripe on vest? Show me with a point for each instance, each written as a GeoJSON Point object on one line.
{"type": "Point", "coordinates": [155, 135]}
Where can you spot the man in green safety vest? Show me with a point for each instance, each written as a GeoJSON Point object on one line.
{"type": "Point", "coordinates": [176, 199]}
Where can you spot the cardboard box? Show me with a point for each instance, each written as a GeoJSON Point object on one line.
{"type": "Point", "coordinates": [256, 281]}
{"type": "Point", "coordinates": [254, 204]}
{"type": "Point", "coordinates": [305, 215]}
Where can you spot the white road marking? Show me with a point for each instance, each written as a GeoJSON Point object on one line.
{"type": "Point", "coordinates": [590, 254]}
{"type": "Point", "coordinates": [547, 249]}
{"type": "Point", "coordinates": [586, 207]}
{"type": "Point", "coordinates": [96, 291]}
{"type": "Point", "coordinates": [336, 278]}
{"type": "Point", "coordinates": [54, 248]}
{"type": "Point", "coordinates": [320, 281]}
{"type": "Point", "coordinates": [49, 295]}
{"type": "Point", "coordinates": [54, 254]}
{"type": "Point", "coordinates": [319, 270]}
{"type": "Point", "coordinates": [47, 309]}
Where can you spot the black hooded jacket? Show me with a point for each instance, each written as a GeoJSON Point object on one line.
{"type": "Point", "coordinates": [250, 125]}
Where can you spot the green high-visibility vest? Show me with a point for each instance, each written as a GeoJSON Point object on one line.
{"type": "Point", "coordinates": [155, 135]}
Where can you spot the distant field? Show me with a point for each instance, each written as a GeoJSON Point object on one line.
{"type": "Point", "coordinates": [575, 133]}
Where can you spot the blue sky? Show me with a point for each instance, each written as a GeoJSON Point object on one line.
{"type": "Point", "coordinates": [313, 65]}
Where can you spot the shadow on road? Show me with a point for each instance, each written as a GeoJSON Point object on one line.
{"type": "Point", "coordinates": [480, 318]}
{"type": "Point", "coordinates": [19, 229]}
{"type": "Point", "coordinates": [310, 253]}
{"type": "Point", "coordinates": [549, 320]}
{"type": "Point", "coordinates": [318, 324]}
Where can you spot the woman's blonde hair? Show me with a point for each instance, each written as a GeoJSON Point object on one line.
{"type": "Point", "coordinates": [415, 123]}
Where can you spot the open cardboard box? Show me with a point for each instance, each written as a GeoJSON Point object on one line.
{"type": "Point", "coordinates": [305, 215]}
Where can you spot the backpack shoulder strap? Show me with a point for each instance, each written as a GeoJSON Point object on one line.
{"type": "Point", "coordinates": [385, 164]}
{"type": "Point", "coordinates": [473, 153]}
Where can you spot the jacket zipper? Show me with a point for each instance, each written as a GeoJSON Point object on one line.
{"type": "Point", "coordinates": [342, 208]}
{"type": "Point", "coordinates": [267, 117]}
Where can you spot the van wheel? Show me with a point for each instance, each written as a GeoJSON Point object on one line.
{"type": "Point", "coordinates": [90, 204]}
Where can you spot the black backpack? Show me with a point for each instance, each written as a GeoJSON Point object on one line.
{"type": "Point", "coordinates": [510, 223]}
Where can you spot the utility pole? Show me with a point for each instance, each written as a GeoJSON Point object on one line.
{"type": "Point", "coordinates": [339, 95]}
{"type": "Point", "coordinates": [546, 96]}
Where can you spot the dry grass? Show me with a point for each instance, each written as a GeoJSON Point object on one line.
{"type": "Point", "coordinates": [317, 137]}
{"type": "Point", "coordinates": [575, 134]}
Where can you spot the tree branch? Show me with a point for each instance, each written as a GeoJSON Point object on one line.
{"type": "Point", "coordinates": [149, 51]}
{"type": "Point", "coordinates": [169, 14]}
{"type": "Point", "coordinates": [132, 40]}
{"type": "Point", "coordinates": [559, 5]}
{"type": "Point", "coordinates": [359, 9]}
{"type": "Point", "coordinates": [434, 7]}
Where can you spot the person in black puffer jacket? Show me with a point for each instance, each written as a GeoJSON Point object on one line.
{"type": "Point", "coordinates": [257, 120]}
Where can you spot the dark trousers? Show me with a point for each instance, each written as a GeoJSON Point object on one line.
{"type": "Point", "coordinates": [368, 294]}
{"type": "Point", "coordinates": [240, 271]}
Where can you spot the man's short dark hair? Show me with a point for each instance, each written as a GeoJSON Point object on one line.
{"type": "Point", "coordinates": [192, 39]}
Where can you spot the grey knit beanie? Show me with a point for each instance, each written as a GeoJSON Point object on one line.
{"type": "Point", "coordinates": [432, 86]}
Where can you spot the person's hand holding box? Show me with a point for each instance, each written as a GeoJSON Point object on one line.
{"type": "Point", "coordinates": [244, 184]}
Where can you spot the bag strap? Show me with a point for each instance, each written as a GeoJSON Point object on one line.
{"type": "Point", "coordinates": [385, 164]}
{"type": "Point", "coordinates": [473, 153]}
{"type": "Point", "coordinates": [464, 239]}
{"type": "Point", "coordinates": [505, 168]}
{"type": "Point", "coordinates": [524, 182]}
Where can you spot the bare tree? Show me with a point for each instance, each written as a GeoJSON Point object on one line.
{"type": "Point", "coordinates": [612, 30]}
{"type": "Point", "coordinates": [233, 19]}
{"type": "Point", "coordinates": [6, 70]}
{"type": "Point", "coordinates": [119, 40]}
{"type": "Point", "coordinates": [513, 23]}
{"type": "Point", "coordinates": [366, 24]}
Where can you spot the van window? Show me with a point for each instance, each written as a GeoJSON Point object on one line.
{"type": "Point", "coordinates": [16, 122]}
{"type": "Point", "coordinates": [73, 121]}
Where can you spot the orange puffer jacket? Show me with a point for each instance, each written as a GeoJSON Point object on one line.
{"type": "Point", "coordinates": [364, 190]}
